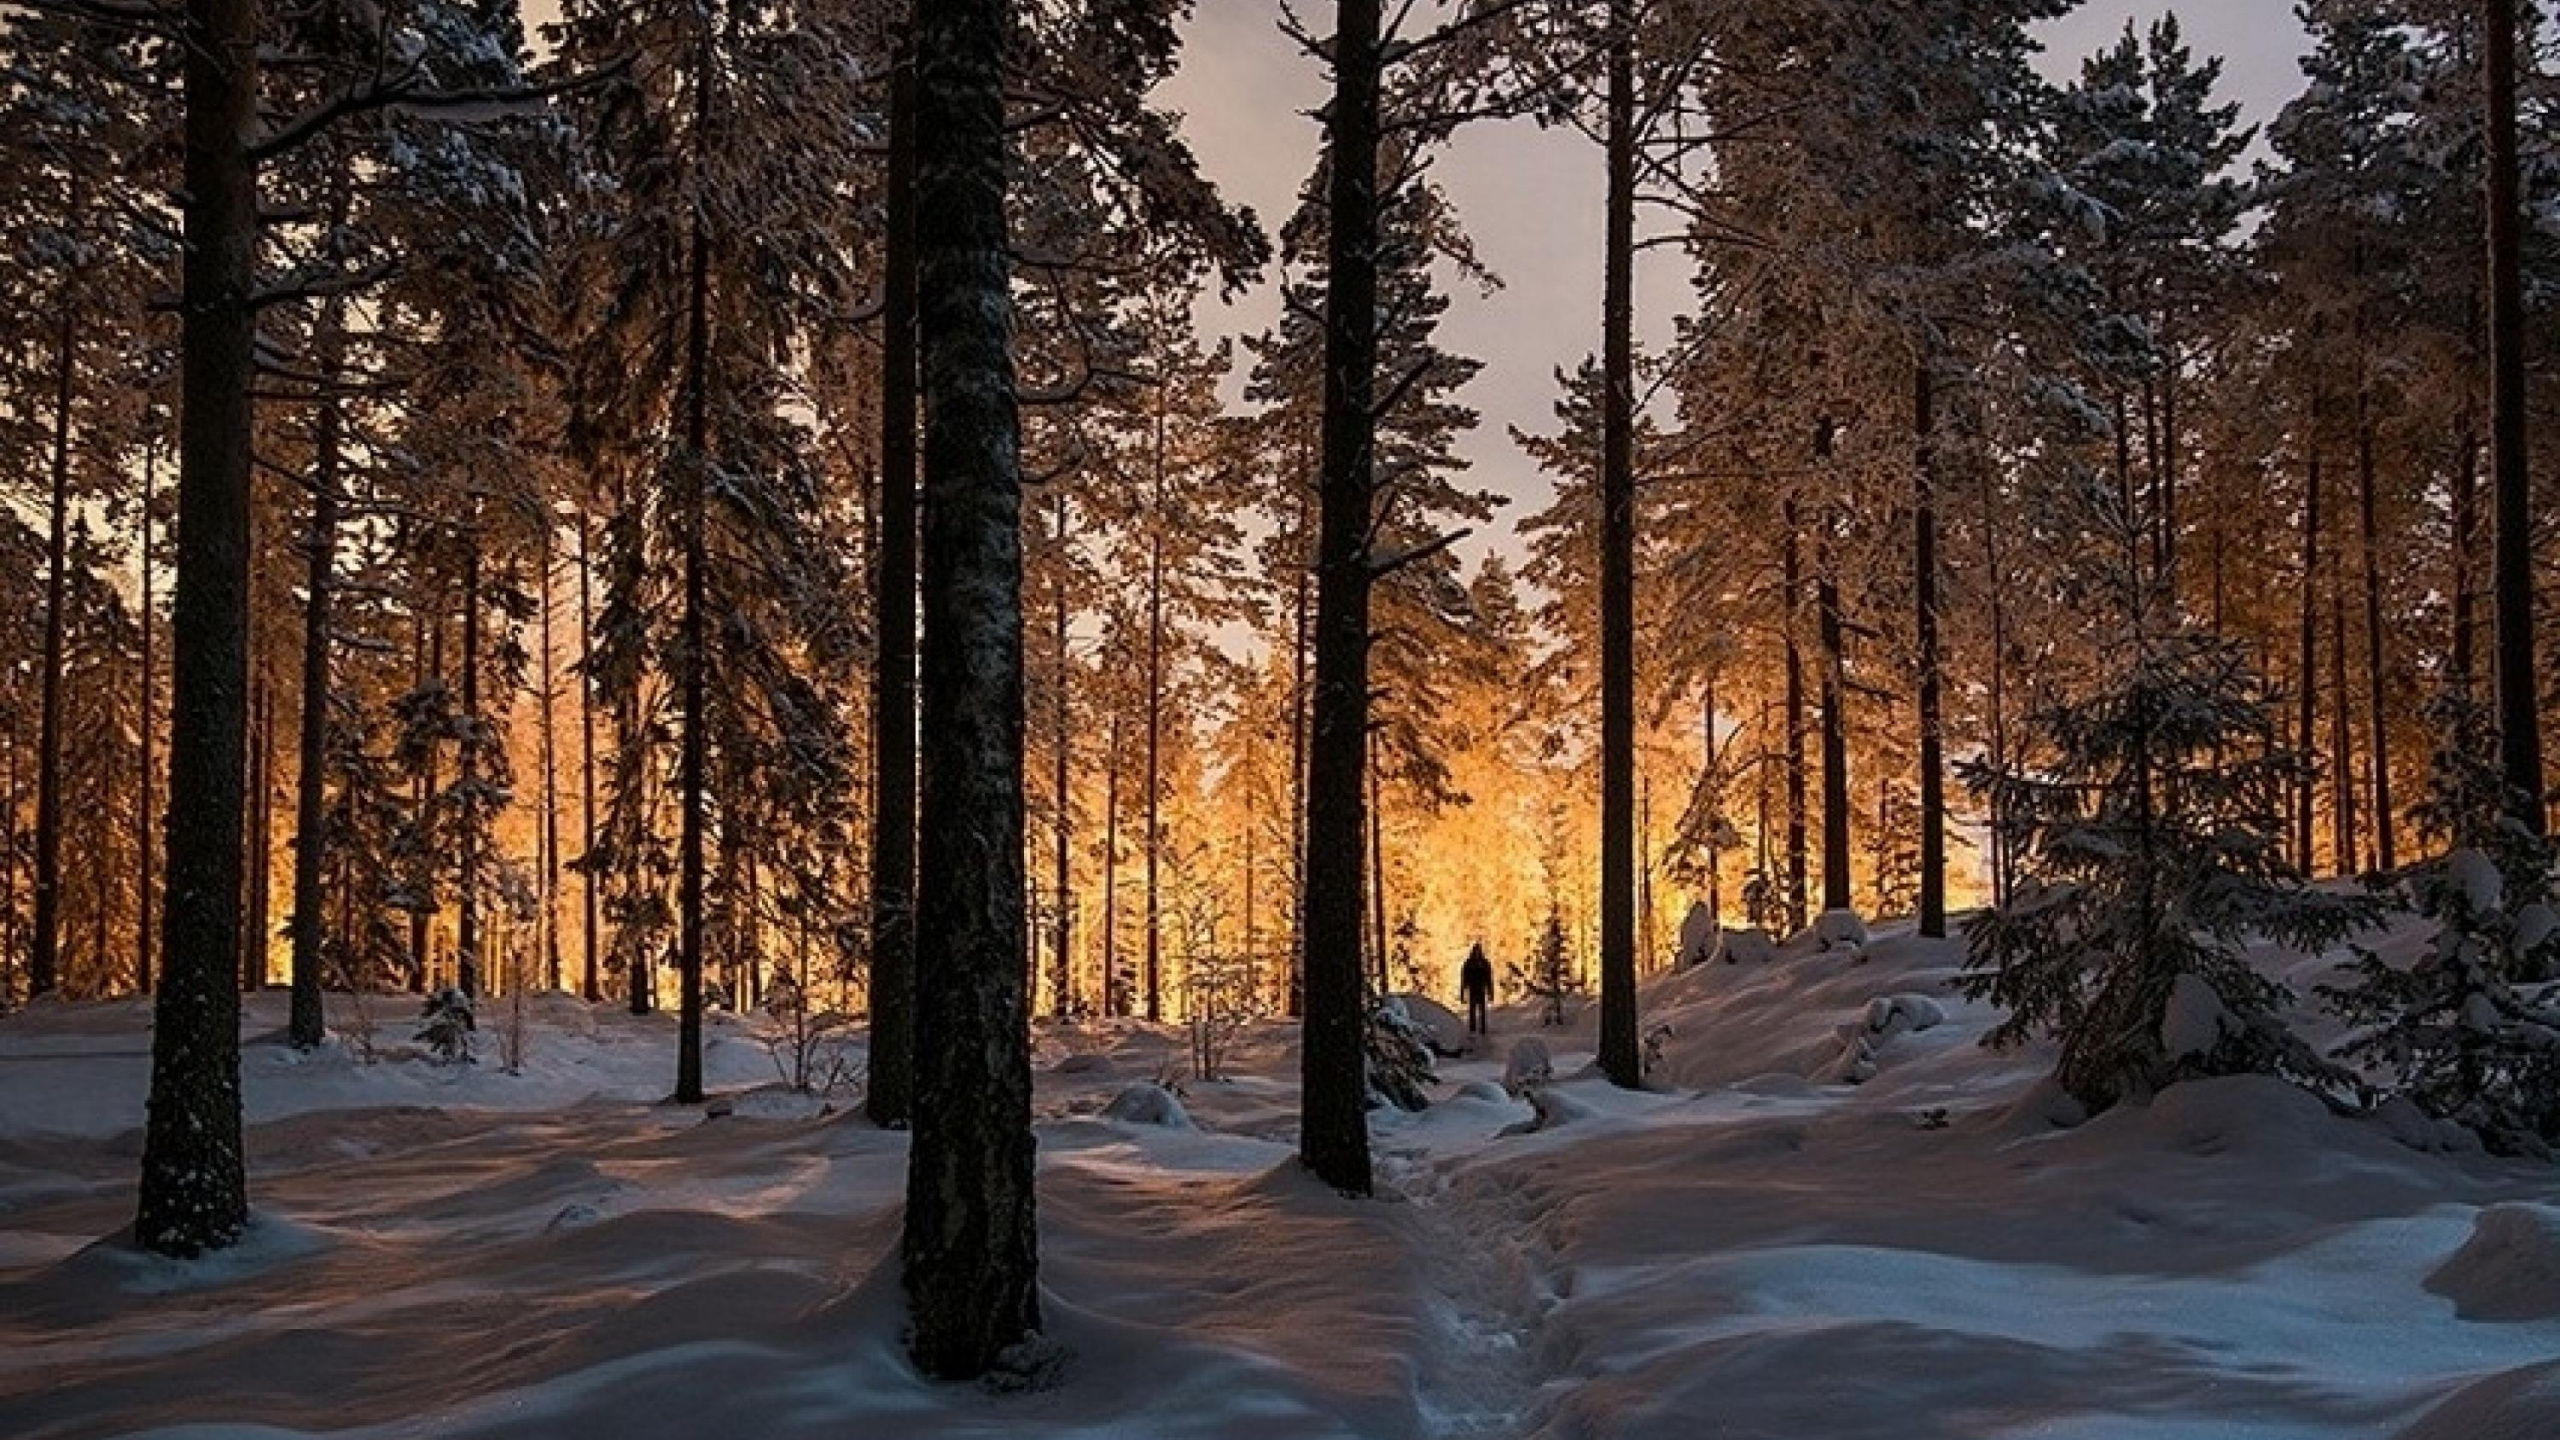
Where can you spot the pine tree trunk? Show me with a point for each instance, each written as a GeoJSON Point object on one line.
{"type": "Point", "coordinates": [1832, 633]}
{"type": "Point", "coordinates": [2345, 838]}
{"type": "Point", "coordinates": [2308, 675]}
{"type": "Point", "coordinates": [550, 830]}
{"type": "Point", "coordinates": [890, 1098]}
{"type": "Point", "coordinates": [2519, 719]}
{"type": "Point", "coordinates": [1791, 573]}
{"type": "Point", "coordinates": [307, 1025]}
{"type": "Point", "coordinates": [146, 816]}
{"type": "Point", "coordinates": [1115, 999]}
{"type": "Point", "coordinates": [1333, 1130]}
{"type": "Point", "coordinates": [260, 875]}
{"type": "Point", "coordinates": [429, 642]}
{"type": "Point", "coordinates": [194, 1192]}
{"type": "Point", "coordinates": [591, 982]}
{"type": "Point", "coordinates": [693, 779]}
{"type": "Point", "coordinates": [466, 778]}
{"type": "Point", "coordinates": [1062, 879]}
{"type": "Point", "coordinates": [44, 957]}
{"type": "Point", "coordinates": [1924, 592]}
{"type": "Point", "coordinates": [1715, 822]}
{"type": "Point", "coordinates": [1302, 621]}
{"type": "Point", "coordinates": [1995, 591]}
{"type": "Point", "coordinates": [1378, 981]}
{"type": "Point", "coordinates": [2377, 673]}
{"type": "Point", "coordinates": [1154, 800]}
{"type": "Point", "coordinates": [970, 1243]}
{"type": "Point", "coordinates": [1619, 1056]}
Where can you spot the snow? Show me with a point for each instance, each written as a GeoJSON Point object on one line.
{"type": "Point", "coordinates": [1750, 1250]}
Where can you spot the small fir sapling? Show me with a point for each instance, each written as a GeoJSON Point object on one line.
{"type": "Point", "coordinates": [446, 1026]}
{"type": "Point", "coordinates": [2470, 1032]}
{"type": "Point", "coordinates": [2152, 815]}
{"type": "Point", "coordinates": [1550, 973]}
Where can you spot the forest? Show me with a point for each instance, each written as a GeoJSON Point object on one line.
{"type": "Point", "coordinates": [743, 542]}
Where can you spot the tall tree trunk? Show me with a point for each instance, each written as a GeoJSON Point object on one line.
{"type": "Point", "coordinates": [307, 1025]}
{"type": "Point", "coordinates": [1619, 1054]}
{"type": "Point", "coordinates": [549, 747]}
{"type": "Point", "coordinates": [260, 876]}
{"type": "Point", "coordinates": [44, 957]}
{"type": "Point", "coordinates": [2377, 672]}
{"type": "Point", "coordinates": [1115, 999]}
{"type": "Point", "coordinates": [1713, 777]}
{"type": "Point", "coordinates": [1995, 587]}
{"type": "Point", "coordinates": [2519, 719]}
{"type": "Point", "coordinates": [1791, 579]}
{"type": "Point", "coordinates": [194, 1191]}
{"type": "Point", "coordinates": [2168, 463]}
{"type": "Point", "coordinates": [1062, 953]}
{"type": "Point", "coordinates": [591, 981]}
{"type": "Point", "coordinates": [1302, 622]}
{"type": "Point", "coordinates": [429, 642]}
{"type": "Point", "coordinates": [693, 777]}
{"type": "Point", "coordinates": [466, 777]}
{"type": "Point", "coordinates": [2464, 640]}
{"type": "Point", "coordinates": [1831, 630]}
{"type": "Point", "coordinates": [1378, 980]}
{"type": "Point", "coordinates": [2345, 838]}
{"type": "Point", "coordinates": [1333, 1129]}
{"type": "Point", "coordinates": [1924, 594]}
{"type": "Point", "coordinates": [1154, 799]}
{"type": "Point", "coordinates": [146, 819]}
{"type": "Point", "coordinates": [890, 1098]}
{"type": "Point", "coordinates": [2308, 675]}
{"type": "Point", "coordinates": [971, 1245]}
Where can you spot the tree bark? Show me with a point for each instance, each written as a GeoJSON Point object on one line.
{"type": "Point", "coordinates": [1061, 760]}
{"type": "Point", "coordinates": [2345, 837]}
{"type": "Point", "coordinates": [970, 1242]}
{"type": "Point", "coordinates": [2519, 719]}
{"type": "Point", "coordinates": [591, 981]}
{"type": "Point", "coordinates": [1115, 999]}
{"type": "Point", "coordinates": [1832, 632]}
{"type": "Point", "coordinates": [548, 745]}
{"type": "Point", "coordinates": [890, 1098]}
{"type": "Point", "coordinates": [693, 779]}
{"type": "Point", "coordinates": [1791, 579]}
{"type": "Point", "coordinates": [306, 1026]}
{"type": "Point", "coordinates": [1619, 1054]}
{"type": "Point", "coordinates": [466, 777]}
{"type": "Point", "coordinates": [44, 955]}
{"type": "Point", "coordinates": [1333, 1130]}
{"type": "Point", "coordinates": [2308, 675]}
{"type": "Point", "coordinates": [1154, 802]}
{"type": "Point", "coordinates": [1924, 592]}
{"type": "Point", "coordinates": [2377, 672]}
{"type": "Point", "coordinates": [194, 1190]}
{"type": "Point", "coordinates": [146, 817]}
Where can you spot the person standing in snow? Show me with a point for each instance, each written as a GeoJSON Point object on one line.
{"type": "Point", "coordinates": [1475, 982]}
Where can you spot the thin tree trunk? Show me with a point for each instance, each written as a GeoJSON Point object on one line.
{"type": "Point", "coordinates": [1619, 1053]}
{"type": "Point", "coordinates": [2519, 718]}
{"type": "Point", "coordinates": [43, 960]}
{"type": "Point", "coordinates": [1302, 617]}
{"type": "Point", "coordinates": [1924, 591]}
{"type": "Point", "coordinates": [1061, 776]}
{"type": "Point", "coordinates": [260, 875]}
{"type": "Point", "coordinates": [2465, 663]}
{"type": "Point", "coordinates": [1832, 632]}
{"type": "Point", "coordinates": [429, 638]}
{"type": "Point", "coordinates": [2377, 672]}
{"type": "Point", "coordinates": [2308, 676]}
{"type": "Point", "coordinates": [890, 1098]}
{"type": "Point", "coordinates": [1791, 572]}
{"type": "Point", "coordinates": [1715, 822]}
{"type": "Point", "coordinates": [1333, 1130]}
{"type": "Point", "coordinates": [2345, 838]}
{"type": "Point", "coordinates": [550, 832]}
{"type": "Point", "coordinates": [1995, 589]}
{"type": "Point", "coordinates": [591, 983]}
{"type": "Point", "coordinates": [970, 1241]}
{"type": "Point", "coordinates": [147, 818]}
{"type": "Point", "coordinates": [307, 1026]}
{"type": "Point", "coordinates": [1115, 999]}
{"type": "Point", "coordinates": [466, 777]}
{"type": "Point", "coordinates": [1378, 981]}
{"type": "Point", "coordinates": [693, 778]}
{"type": "Point", "coordinates": [1154, 798]}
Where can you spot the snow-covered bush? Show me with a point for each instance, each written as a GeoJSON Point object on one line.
{"type": "Point", "coordinates": [1753, 946]}
{"type": "Point", "coordinates": [446, 1025]}
{"type": "Point", "coordinates": [1399, 1057]}
{"type": "Point", "coordinates": [1840, 930]}
{"type": "Point", "coordinates": [809, 1042]}
{"type": "Point", "coordinates": [1529, 1067]}
{"type": "Point", "coordinates": [2464, 1033]}
{"type": "Point", "coordinates": [2153, 817]}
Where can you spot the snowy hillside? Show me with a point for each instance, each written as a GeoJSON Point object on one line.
{"type": "Point", "coordinates": [1761, 1249]}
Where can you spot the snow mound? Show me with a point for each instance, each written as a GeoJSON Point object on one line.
{"type": "Point", "coordinates": [1529, 1067]}
{"type": "Point", "coordinates": [1840, 930]}
{"type": "Point", "coordinates": [2518, 1404]}
{"type": "Point", "coordinates": [1698, 935]}
{"type": "Point", "coordinates": [1448, 1033]}
{"type": "Point", "coordinates": [2195, 1021]}
{"type": "Point", "coordinates": [1555, 1106]}
{"type": "Point", "coordinates": [1145, 1104]}
{"type": "Point", "coordinates": [1903, 1014]}
{"type": "Point", "coordinates": [1086, 1062]}
{"type": "Point", "coordinates": [1747, 947]}
{"type": "Point", "coordinates": [2509, 1270]}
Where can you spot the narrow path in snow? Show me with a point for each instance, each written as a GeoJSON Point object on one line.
{"type": "Point", "coordinates": [1488, 1288]}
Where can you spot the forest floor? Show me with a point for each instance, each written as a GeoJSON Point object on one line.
{"type": "Point", "coordinates": [1759, 1249]}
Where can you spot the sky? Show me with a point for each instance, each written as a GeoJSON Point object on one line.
{"type": "Point", "coordinates": [1531, 198]}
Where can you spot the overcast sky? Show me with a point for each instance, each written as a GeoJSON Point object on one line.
{"type": "Point", "coordinates": [1531, 199]}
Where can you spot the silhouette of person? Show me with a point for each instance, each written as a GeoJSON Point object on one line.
{"type": "Point", "coordinates": [1475, 982]}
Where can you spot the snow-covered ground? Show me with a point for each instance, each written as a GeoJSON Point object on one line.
{"type": "Point", "coordinates": [1761, 1249]}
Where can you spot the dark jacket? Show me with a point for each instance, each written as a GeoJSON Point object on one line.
{"type": "Point", "coordinates": [1475, 978]}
